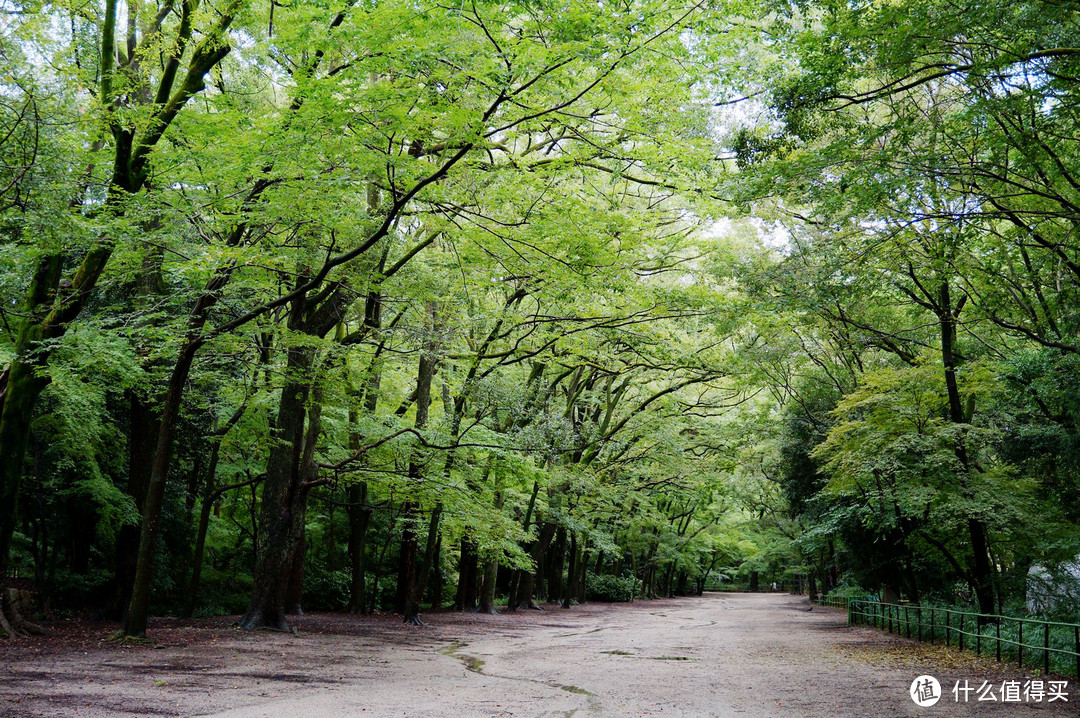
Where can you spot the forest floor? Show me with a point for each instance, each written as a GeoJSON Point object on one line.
{"type": "Point", "coordinates": [752, 655]}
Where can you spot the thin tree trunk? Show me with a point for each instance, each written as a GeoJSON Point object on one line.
{"type": "Point", "coordinates": [280, 508]}
{"type": "Point", "coordinates": [200, 540]}
{"type": "Point", "coordinates": [438, 580]}
{"type": "Point", "coordinates": [491, 571]}
{"type": "Point", "coordinates": [200, 533]}
{"type": "Point", "coordinates": [409, 573]}
{"type": "Point", "coordinates": [580, 583]}
{"type": "Point", "coordinates": [523, 598]}
{"type": "Point", "coordinates": [294, 582]}
{"type": "Point", "coordinates": [556, 562]}
{"type": "Point", "coordinates": [416, 589]}
{"type": "Point", "coordinates": [142, 436]}
{"type": "Point", "coordinates": [468, 567]}
{"type": "Point", "coordinates": [359, 511]}
{"type": "Point", "coordinates": [139, 608]}
{"type": "Point", "coordinates": [359, 518]}
{"type": "Point", "coordinates": [406, 560]}
{"type": "Point", "coordinates": [519, 575]}
{"type": "Point", "coordinates": [980, 572]}
{"type": "Point", "coordinates": [571, 571]}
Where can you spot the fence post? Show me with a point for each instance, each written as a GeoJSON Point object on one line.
{"type": "Point", "coordinates": [918, 625]}
{"type": "Point", "coordinates": [1020, 643]}
{"type": "Point", "coordinates": [999, 640]}
{"type": "Point", "coordinates": [961, 631]}
{"type": "Point", "coordinates": [947, 636]}
{"type": "Point", "coordinates": [932, 626]}
{"type": "Point", "coordinates": [1076, 647]}
{"type": "Point", "coordinates": [1046, 649]}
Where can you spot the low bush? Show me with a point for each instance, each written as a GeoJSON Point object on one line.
{"type": "Point", "coordinates": [326, 590]}
{"type": "Point", "coordinates": [610, 588]}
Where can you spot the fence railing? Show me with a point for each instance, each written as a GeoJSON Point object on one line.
{"type": "Point", "coordinates": [1048, 645]}
{"type": "Point", "coordinates": [833, 601]}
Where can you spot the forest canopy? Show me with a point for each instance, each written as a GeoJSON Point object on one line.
{"type": "Point", "coordinates": [378, 306]}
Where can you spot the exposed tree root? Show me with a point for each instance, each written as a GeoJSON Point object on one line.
{"type": "Point", "coordinates": [414, 621]}
{"type": "Point", "coordinates": [488, 611]}
{"type": "Point", "coordinates": [125, 640]}
{"type": "Point", "coordinates": [12, 622]}
{"type": "Point", "coordinates": [256, 620]}
{"type": "Point", "coordinates": [5, 626]}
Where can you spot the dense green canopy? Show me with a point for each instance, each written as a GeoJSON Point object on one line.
{"type": "Point", "coordinates": [356, 305]}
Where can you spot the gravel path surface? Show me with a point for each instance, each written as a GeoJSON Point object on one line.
{"type": "Point", "coordinates": [753, 655]}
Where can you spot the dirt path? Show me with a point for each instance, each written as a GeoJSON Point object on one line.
{"type": "Point", "coordinates": [752, 655]}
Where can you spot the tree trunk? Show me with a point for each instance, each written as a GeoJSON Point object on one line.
{"type": "Point", "coordinates": [18, 396]}
{"type": "Point", "coordinates": [409, 574]}
{"type": "Point", "coordinates": [518, 576]}
{"type": "Point", "coordinates": [568, 593]}
{"type": "Point", "coordinates": [580, 584]}
{"type": "Point", "coordinates": [539, 576]}
{"type": "Point", "coordinates": [200, 537]}
{"type": "Point", "coordinates": [209, 500]}
{"type": "Point", "coordinates": [359, 511]}
{"type": "Point", "coordinates": [406, 560]}
{"type": "Point", "coordinates": [491, 571]}
{"type": "Point", "coordinates": [486, 603]}
{"type": "Point", "coordinates": [523, 597]}
{"type": "Point", "coordinates": [468, 568]}
{"type": "Point", "coordinates": [359, 518]}
{"type": "Point", "coordinates": [556, 562]}
{"type": "Point", "coordinates": [281, 515]}
{"type": "Point", "coordinates": [139, 609]}
{"type": "Point", "coordinates": [980, 568]}
{"type": "Point", "coordinates": [142, 437]}
{"type": "Point", "coordinates": [294, 582]}
{"type": "Point", "coordinates": [669, 575]}
{"type": "Point", "coordinates": [416, 588]}
{"type": "Point", "coordinates": [291, 470]}
{"type": "Point", "coordinates": [438, 580]}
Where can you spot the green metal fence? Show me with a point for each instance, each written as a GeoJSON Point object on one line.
{"type": "Point", "coordinates": [833, 601]}
{"type": "Point", "coordinates": [1047, 645]}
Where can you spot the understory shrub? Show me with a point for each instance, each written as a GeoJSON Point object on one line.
{"type": "Point", "coordinates": [326, 590]}
{"type": "Point", "coordinates": [610, 588]}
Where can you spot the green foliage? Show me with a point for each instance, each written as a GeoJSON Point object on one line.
{"type": "Point", "coordinates": [223, 593]}
{"type": "Point", "coordinates": [325, 590]}
{"type": "Point", "coordinates": [614, 589]}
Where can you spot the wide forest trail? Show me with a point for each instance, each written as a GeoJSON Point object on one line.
{"type": "Point", "coordinates": [752, 655]}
